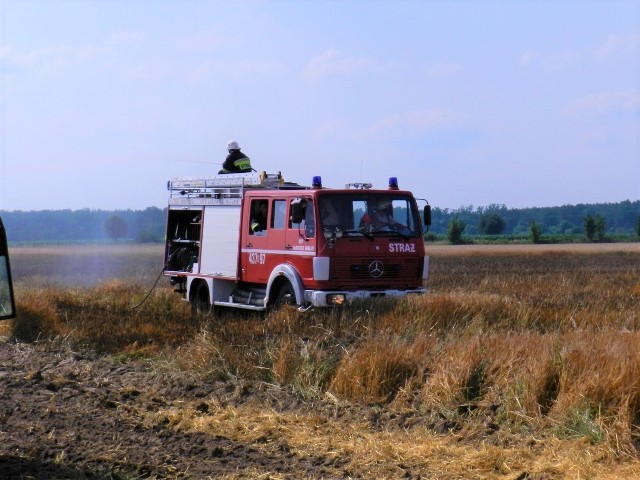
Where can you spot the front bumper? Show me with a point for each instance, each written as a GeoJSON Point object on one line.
{"type": "Point", "coordinates": [327, 298]}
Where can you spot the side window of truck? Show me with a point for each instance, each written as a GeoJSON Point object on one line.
{"type": "Point", "coordinates": [310, 221]}
{"type": "Point", "coordinates": [259, 216]}
{"type": "Point", "coordinates": [278, 215]}
{"type": "Point", "coordinates": [307, 223]}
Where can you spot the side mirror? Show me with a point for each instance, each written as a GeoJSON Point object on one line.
{"type": "Point", "coordinates": [7, 301]}
{"type": "Point", "coordinates": [427, 215]}
{"type": "Point", "coordinates": [298, 207]}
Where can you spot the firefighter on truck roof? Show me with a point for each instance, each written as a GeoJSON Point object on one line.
{"type": "Point", "coordinates": [236, 161]}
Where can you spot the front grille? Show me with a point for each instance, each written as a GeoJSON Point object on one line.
{"type": "Point", "coordinates": [362, 271]}
{"type": "Point", "coordinates": [368, 268]}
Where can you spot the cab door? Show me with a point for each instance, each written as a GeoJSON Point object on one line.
{"type": "Point", "coordinates": [254, 245]}
{"type": "Point", "coordinates": [278, 250]}
{"type": "Point", "coordinates": [300, 237]}
{"type": "Point", "coordinates": [7, 301]}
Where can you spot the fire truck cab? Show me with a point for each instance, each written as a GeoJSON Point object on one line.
{"type": "Point", "coordinates": [7, 302]}
{"type": "Point", "coordinates": [253, 241]}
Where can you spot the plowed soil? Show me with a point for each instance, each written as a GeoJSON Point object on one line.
{"type": "Point", "coordinates": [75, 416]}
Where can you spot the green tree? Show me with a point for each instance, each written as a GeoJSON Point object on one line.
{"type": "Point", "coordinates": [599, 227]}
{"type": "Point", "coordinates": [590, 227]}
{"type": "Point", "coordinates": [455, 229]}
{"type": "Point", "coordinates": [116, 227]}
{"type": "Point", "coordinates": [638, 226]}
{"type": "Point", "coordinates": [536, 232]}
{"type": "Point", "coordinates": [491, 223]}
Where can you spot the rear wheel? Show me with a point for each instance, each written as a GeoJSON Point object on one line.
{"type": "Point", "coordinates": [200, 300]}
{"type": "Point", "coordinates": [286, 295]}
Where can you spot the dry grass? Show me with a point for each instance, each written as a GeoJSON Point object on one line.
{"type": "Point", "coordinates": [375, 370]}
{"type": "Point", "coordinates": [529, 356]}
{"type": "Point", "coordinates": [104, 318]}
{"type": "Point", "coordinates": [363, 452]}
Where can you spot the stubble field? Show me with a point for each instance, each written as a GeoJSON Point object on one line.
{"type": "Point", "coordinates": [522, 362]}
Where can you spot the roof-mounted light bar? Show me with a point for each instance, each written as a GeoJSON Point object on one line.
{"type": "Point", "coordinates": [359, 186]}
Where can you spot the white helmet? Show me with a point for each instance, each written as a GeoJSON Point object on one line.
{"type": "Point", "coordinates": [233, 145]}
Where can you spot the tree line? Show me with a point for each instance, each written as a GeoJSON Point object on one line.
{"type": "Point", "coordinates": [595, 221]}
{"type": "Point", "coordinates": [602, 219]}
{"type": "Point", "coordinates": [85, 225]}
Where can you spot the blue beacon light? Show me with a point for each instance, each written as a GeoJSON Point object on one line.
{"type": "Point", "coordinates": [393, 183]}
{"type": "Point", "coordinates": [317, 182]}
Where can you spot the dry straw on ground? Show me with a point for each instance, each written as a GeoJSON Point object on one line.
{"type": "Point", "coordinates": [520, 362]}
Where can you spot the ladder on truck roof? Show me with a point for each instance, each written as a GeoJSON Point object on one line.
{"type": "Point", "coordinates": [224, 189]}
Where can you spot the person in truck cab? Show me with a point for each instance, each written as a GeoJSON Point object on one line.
{"type": "Point", "coordinates": [260, 211]}
{"type": "Point", "coordinates": [236, 161]}
{"type": "Point", "coordinates": [380, 218]}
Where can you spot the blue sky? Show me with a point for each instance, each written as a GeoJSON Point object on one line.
{"type": "Point", "coordinates": [530, 103]}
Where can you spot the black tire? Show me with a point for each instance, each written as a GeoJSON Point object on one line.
{"type": "Point", "coordinates": [286, 295]}
{"type": "Point", "coordinates": [200, 300]}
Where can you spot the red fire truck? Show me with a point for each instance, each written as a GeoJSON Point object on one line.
{"type": "Point", "coordinates": [254, 241]}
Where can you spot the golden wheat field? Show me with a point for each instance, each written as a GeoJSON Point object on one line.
{"type": "Point", "coordinates": [521, 362]}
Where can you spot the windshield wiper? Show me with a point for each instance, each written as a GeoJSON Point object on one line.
{"type": "Point", "coordinates": [393, 231]}
{"type": "Point", "coordinates": [401, 235]}
{"type": "Point", "coordinates": [358, 233]}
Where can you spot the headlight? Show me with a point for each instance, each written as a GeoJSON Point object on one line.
{"type": "Point", "coordinates": [336, 299]}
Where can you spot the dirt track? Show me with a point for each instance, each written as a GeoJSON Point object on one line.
{"type": "Point", "coordinates": [75, 416]}
{"type": "Point", "coordinates": [499, 249]}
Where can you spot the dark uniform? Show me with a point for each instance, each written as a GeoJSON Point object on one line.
{"type": "Point", "coordinates": [236, 162]}
{"type": "Point", "coordinates": [259, 220]}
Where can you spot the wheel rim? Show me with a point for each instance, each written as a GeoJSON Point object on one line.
{"type": "Point", "coordinates": [286, 296]}
{"type": "Point", "coordinates": [201, 300]}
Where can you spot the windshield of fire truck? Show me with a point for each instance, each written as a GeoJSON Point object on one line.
{"type": "Point", "coordinates": [369, 213]}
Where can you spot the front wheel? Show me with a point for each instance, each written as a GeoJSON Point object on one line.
{"type": "Point", "coordinates": [200, 300]}
{"type": "Point", "coordinates": [286, 295]}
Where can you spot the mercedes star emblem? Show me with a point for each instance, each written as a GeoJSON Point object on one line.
{"type": "Point", "coordinates": [376, 268]}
